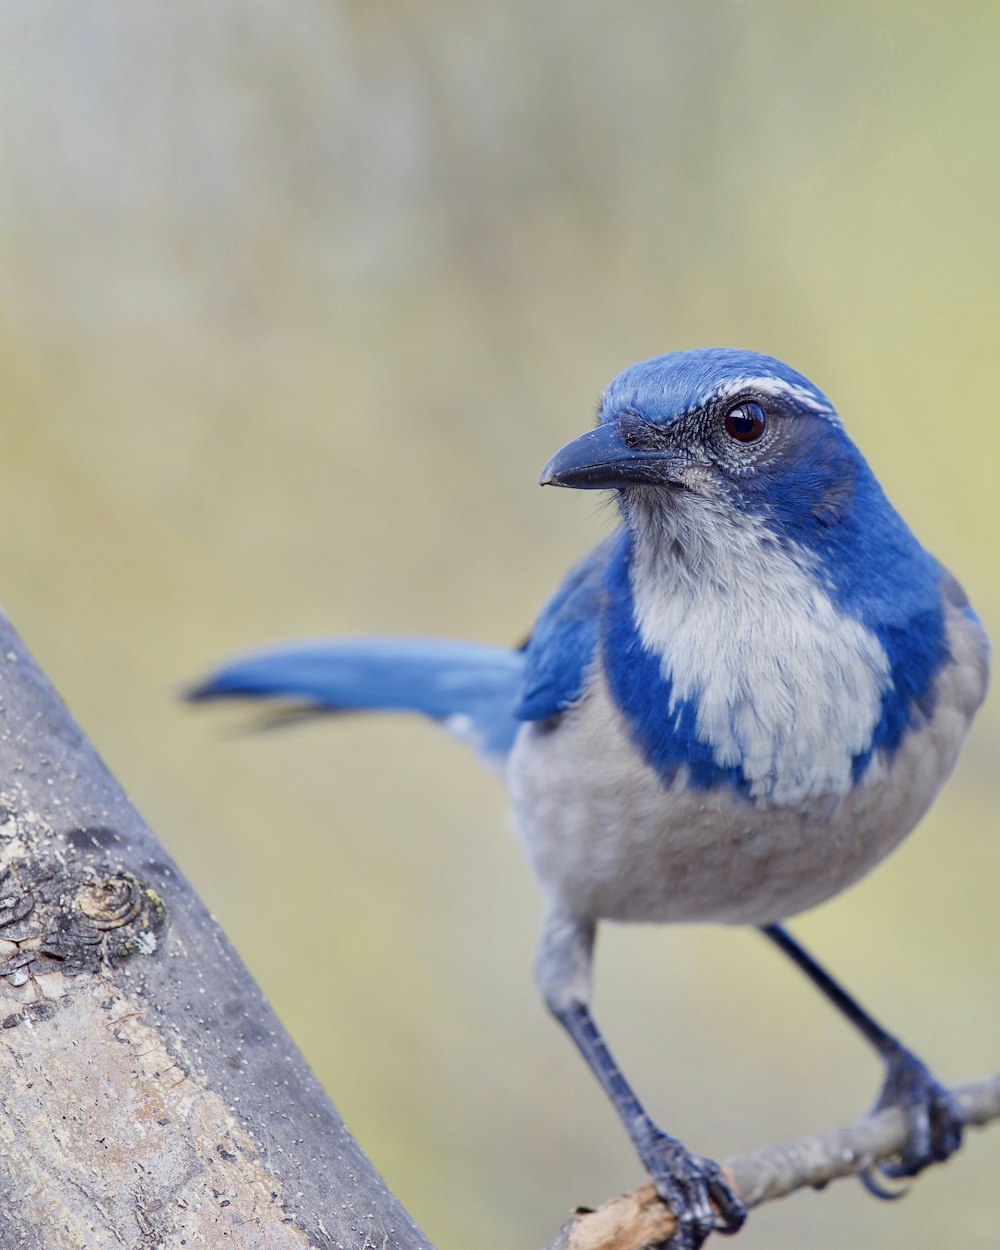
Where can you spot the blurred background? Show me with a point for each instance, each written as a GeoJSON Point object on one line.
{"type": "Point", "coordinates": [294, 304]}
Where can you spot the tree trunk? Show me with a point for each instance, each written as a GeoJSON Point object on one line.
{"type": "Point", "coordinates": [150, 1096]}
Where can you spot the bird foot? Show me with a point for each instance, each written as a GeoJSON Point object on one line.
{"type": "Point", "coordinates": [934, 1120]}
{"type": "Point", "coordinates": [700, 1198]}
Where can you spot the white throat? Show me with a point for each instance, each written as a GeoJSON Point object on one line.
{"type": "Point", "coordinates": [786, 686]}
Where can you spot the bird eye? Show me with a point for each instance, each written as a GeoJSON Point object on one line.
{"type": "Point", "coordinates": [745, 422]}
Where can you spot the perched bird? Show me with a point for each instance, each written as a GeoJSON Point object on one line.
{"type": "Point", "coordinates": [732, 709]}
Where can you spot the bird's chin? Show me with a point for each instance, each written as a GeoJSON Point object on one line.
{"type": "Point", "coordinates": [672, 509]}
{"type": "Point", "coordinates": [688, 485]}
{"type": "Point", "coordinates": [649, 498]}
{"type": "Point", "coordinates": [656, 508]}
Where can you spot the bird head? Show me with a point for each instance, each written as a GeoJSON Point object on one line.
{"type": "Point", "coordinates": [720, 427]}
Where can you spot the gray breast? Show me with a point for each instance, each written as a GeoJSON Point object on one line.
{"type": "Point", "coordinates": [607, 839]}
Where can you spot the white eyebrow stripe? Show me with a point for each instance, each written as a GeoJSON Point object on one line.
{"type": "Point", "coordinates": [777, 387]}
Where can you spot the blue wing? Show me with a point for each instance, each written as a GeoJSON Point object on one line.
{"type": "Point", "coordinates": [471, 688]}
{"type": "Point", "coordinates": [562, 645]}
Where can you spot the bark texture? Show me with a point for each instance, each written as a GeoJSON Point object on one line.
{"type": "Point", "coordinates": [149, 1096]}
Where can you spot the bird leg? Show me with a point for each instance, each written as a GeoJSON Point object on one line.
{"type": "Point", "coordinates": [698, 1195]}
{"type": "Point", "coordinates": [700, 1198]}
{"type": "Point", "coordinates": [933, 1117]}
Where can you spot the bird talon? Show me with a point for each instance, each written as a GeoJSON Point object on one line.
{"type": "Point", "coordinates": [934, 1119]}
{"type": "Point", "coordinates": [870, 1179]}
{"type": "Point", "coordinates": [700, 1198]}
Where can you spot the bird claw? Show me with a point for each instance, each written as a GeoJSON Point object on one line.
{"type": "Point", "coordinates": [934, 1121]}
{"type": "Point", "coordinates": [700, 1198]}
{"type": "Point", "coordinates": [870, 1179]}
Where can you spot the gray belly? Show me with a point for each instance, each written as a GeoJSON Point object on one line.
{"type": "Point", "coordinates": [607, 839]}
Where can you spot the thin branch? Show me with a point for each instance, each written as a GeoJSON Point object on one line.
{"type": "Point", "coordinates": [640, 1219]}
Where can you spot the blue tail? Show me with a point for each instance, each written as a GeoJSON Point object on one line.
{"type": "Point", "coordinates": [471, 688]}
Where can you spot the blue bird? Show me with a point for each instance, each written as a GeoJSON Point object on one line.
{"type": "Point", "coordinates": [729, 711]}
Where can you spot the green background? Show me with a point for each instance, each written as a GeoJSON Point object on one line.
{"type": "Point", "coordinates": [295, 301]}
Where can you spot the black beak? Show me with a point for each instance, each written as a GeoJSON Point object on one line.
{"type": "Point", "coordinates": [602, 459]}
